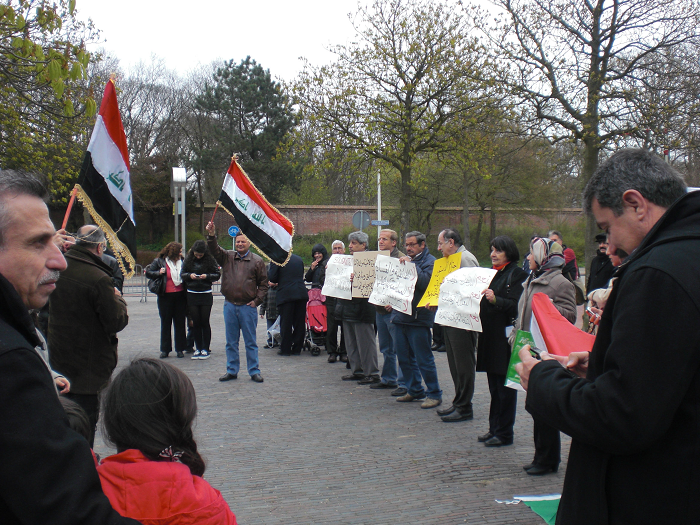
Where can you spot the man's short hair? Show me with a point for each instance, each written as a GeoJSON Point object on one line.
{"type": "Point", "coordinates": [555, 232]}
{"type": "Point", "coordinates": [633, 169]}
{"type": "Point", "coordinates": [359, 236]}
{"type": "Point", "coordinates": [392, 234]}
{"type": "Point", "coordinates": [449, 233]}
{"type": "Point", "coordinates": [14, 183]}
{"type": "Point", "coordinates": [91, 238]}
{"type": "Point", "coordinates": [420, 237]}
{"type": "Point", "coordinates": [338, 241]}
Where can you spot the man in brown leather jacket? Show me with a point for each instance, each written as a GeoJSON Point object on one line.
{"type": "Point", "coordinates": [243, 285]}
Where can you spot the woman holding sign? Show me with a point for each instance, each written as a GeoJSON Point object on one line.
{"type": "Point", "coordinates": [499, 306]}
{"type": "Point", "coordinates": [546, 262]}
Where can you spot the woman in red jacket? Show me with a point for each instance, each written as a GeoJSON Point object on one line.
{"type": "Point", "coordinates": [155, 477]}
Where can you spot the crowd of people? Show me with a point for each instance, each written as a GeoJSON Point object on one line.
{"type": "Point", "coordinates": [630, 405]}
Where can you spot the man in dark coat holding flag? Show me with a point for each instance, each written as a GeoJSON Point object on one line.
{"type": "Point", "coordinates": [633, 409]}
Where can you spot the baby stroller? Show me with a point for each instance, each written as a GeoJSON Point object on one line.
{"type": "Point", "coordinates": [316, 322]}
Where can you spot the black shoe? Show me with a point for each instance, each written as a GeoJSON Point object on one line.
{"type": "Point", "coordinates": [257, 378]}
{"type": "Point", "coordinates": [445, 411]}
{"type": "Point", "coordinates": [369, 380]}
{"type": "Point", "coordinates": [541, 470]}
{"type": "Point", "coordinates": [282, 353]}
{"type": "Point", "coordinates": [401, 391]}
{"type": "Point", "coordinates": [529, 466]}
{"type": "Point", "coordinates": [180, 354]}
{"type": "Point", "coordinates": [353, 377]}
{"type": "Point", "coordinates": [343, 358]}
{"type": "Point", "coordinates": [458, 416]}
{"type": "Point", "coordinates": [441, 348]}
{"type": "Point", "coordinates": [380, 385]}
{"type": "Point", "coordinates": [163, 355]}
{"type": "Point", "coordinates": [332, 358]}
{"type": "Point", "coordinates": [228, 377]}
{"type": "Point", "coordinates": [489, 435]}
{"type": "Point", "coordinates": [497, 442]}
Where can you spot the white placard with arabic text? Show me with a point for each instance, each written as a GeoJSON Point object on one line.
{"type": "Point", "coordinates": [460, 298]}
{"type": "Point", "coordinates": [394, 283]}
{"type": "Point", "coordinates": [338, 273]}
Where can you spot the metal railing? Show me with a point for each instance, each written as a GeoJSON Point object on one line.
{"type": "Point", "coordinates": [137, 286]}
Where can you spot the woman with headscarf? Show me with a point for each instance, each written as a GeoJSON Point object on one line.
{"type": "Point", "coordinates": [199, 271]}
{"type": "Point", "coordinates": [499, 306]}
{"type": "Point", "coordinates": [546, 262]}
{"type": "Point", "coordinates": [172, 297]}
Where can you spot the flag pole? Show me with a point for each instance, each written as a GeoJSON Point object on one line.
{"type": "Point", "coordinates": [70, 206]}
{"type": "Point", "coordinates": [233, 157]}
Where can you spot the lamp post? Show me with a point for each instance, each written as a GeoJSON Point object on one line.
{"type": "Point", "coordinates": [177, 189]}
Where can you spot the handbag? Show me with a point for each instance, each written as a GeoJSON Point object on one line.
{"type": "Point", "coordinates": [156, 285]}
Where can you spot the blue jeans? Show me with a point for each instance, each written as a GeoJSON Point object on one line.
{"type": "Point", "coordinates": [239, 319]}
{"type": "Point", "coordinates": [412, 344]}
{"type": "Point", "coordinates": [391, 373]}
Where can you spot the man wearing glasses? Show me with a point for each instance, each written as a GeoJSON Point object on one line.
{"type": "Point", "coordinates": [413, 331]}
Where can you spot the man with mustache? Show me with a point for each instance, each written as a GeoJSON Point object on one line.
{"type": "Point", "coordinates": [47, 472]}
{"type": "Point", "coordinates": [86, 312]}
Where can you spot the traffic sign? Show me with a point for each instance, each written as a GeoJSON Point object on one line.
{"type": "Point", "coordinates": [233, 231]}
{"type": "Point", "coordinates": [380, 223]}
{"type": "Point", "coordinates": [360, 220]}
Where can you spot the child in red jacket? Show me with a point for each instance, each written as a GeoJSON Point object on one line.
{"type": "Point", "coordinates": [155, 477]}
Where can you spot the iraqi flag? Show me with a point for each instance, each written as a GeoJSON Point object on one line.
{"type": "Point", "coordinates": [553, 332]}
{"type": "Point", "coordinates": [266, 228]}
{"type": "Point", "coordinates": [104, 187]}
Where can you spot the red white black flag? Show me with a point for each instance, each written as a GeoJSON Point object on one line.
{"type": "Point", "coordinates": [266, 228]}
{"type": "Point", "coordinates": [104, 187]}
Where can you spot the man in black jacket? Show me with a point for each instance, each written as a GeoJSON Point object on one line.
{"type": "Point", "coordinates": [602, 268]}
{"type": "Point", "coordinates": [47, 472]}
{"type": "Point", "coordinates": [633, 409]}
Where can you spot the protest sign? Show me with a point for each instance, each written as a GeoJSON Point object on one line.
{"type": "Point", "coordinates": [363, 268]}
{"type": "Point", "coordinates": [394, 284]}
{"type": "Point", "coordinates": [441, 269]}
{"type": "Point", "coordinates": [338, 273]}
{"type": "Point", "coordinates": [460, 298]}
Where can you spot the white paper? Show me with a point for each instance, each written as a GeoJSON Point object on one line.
{"type": "Point", "coordinates": [460, 298]}
{"type": "Point", "coordinates": [394, 283]}
{"type": "Point", "coordinates": [338, 271]}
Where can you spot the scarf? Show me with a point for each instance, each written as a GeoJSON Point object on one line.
{"type": "Point", "coordinates": [547, 254]}
{"type": "Point", "coordinates": [175, 269]}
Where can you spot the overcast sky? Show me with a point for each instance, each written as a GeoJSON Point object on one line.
{"type": "Point", "coordinates": [273, 32]}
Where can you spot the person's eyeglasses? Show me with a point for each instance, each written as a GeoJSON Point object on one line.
{"type": "Point", "coordinates": [411, 244]}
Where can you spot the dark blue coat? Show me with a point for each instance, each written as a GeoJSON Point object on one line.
{"type": "Point", "coordinates": [419, 316]}
{"type": "Point", "coordinates": [290, 280]}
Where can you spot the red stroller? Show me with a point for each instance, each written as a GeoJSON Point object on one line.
{"type": "Point", "coordinates": [316, 322]}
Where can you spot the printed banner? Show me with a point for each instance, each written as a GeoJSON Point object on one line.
{"type": "Point", "coordinates": [363, 268]}
{"type": "Point", "coordinates": [338, 272]}
{"type": "Point", "coordinates": [441, 269]}
{"type": "Point", "coordinates": [394, 284]}
{"type": "Point", "coordinates": [460, 298]}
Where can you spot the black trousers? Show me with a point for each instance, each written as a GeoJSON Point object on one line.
{"type": "Point", "coordinates": [199, 309]}
{"type": "Point", "coordinates": [172, 308]}
{"type": "Point", "coordinates": [547, 444]}
{"type": "Point", "coordinates": [504, 403]}
{"type": "Point", "coordinates": [461, 356]}
{"type": "Point", "coordinates": [91, 404]}
{"type": "Point", "coordinates": [292, 325]}
{"type": "Point", "coordinates": [438, 335]}
{"type": "Point", "coordinates": [332, 334]}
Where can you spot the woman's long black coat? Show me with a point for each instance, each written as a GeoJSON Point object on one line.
{"type": "Point", "coordinates": [493, 351]}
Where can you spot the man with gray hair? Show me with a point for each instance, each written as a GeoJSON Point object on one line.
{"type": "Point", "coordinates": [413, 331]}
{"type": "Point", "coordinates": [86, 312]}
{"type": "Point", "coordinates": [47, 471]}
{"type": "Point", "coordinates": [357, 315]}
{"type": "Point", "coordinates": [631, 406]}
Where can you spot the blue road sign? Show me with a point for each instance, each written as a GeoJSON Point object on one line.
{"type": "Point", "coordinates": [233, 231]}
{"type": "Point", "coordinates": [380, 223]}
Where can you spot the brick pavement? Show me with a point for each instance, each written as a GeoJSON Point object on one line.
{"type": "Point", "coordinates": [305, 447]}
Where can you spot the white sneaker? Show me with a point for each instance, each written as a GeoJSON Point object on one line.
{"type": "Point", "coordinates": [204, 354]}
{"type": "Point", "coordinates": [197, 354]}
